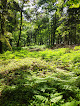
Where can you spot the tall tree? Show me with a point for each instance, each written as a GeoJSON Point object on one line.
{"type": "Point", "coordinates": [21, 3]}
{"type": "Point", "coordinates": [2, 16]}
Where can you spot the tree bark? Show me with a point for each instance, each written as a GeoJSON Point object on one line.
{"type": "Point", "coordinates": [0, 47]}
{"type": "Point", "coordinates": [18, 43]}
{"type": "Point", "coordinates": [2, 30]}
{"type": "Point", "coordinates": [54, 28]}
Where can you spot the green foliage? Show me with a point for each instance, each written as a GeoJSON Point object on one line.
{"type": "Point", "coordinates": [77, 48]}
{"type": "Point", "coordinates": [37, 78]}
{"type": "Point", "coordinates": [65, 58]}
{"type": "Point", "coordinates": [72, 103]}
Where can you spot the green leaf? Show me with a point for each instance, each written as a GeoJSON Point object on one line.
{"type": "Point", "coordinates": [56, 99]}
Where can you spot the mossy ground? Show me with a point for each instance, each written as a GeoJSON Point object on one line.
{"type": "Point", "coordinates": [37, 76]}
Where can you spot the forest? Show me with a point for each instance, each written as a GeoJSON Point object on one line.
{"type": "Point", "coordinates": [39, 53]}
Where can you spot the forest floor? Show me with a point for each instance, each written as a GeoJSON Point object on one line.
{"type": "Point", "coordinates": [38, 76]}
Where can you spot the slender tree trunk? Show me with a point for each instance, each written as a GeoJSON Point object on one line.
{"type": "Point", "coordinates": [65, 39]}
{"type": "Point", "coordinates": [54, 28]}
{"type": "Point", "coordinates": [1, 34]}
{"type": "Point", "coordinates": [60, 38]}
{"type": "Point", "coordinates": [35, 38]}
{"type": "Point", "coordinates": [69, 39]}
{"type": "Point", "coordinates": [0, 47]}
{"type": "Point", "coordinates": [2, 30]}
{"type": "Point", "coordinates": [18, 43]}
{"type": "Point", "coordinates": [10, 40]}
{"type": "Point", "coordinates": [51, 32]}
{"type": "Point", "coordinates": [75, 34]}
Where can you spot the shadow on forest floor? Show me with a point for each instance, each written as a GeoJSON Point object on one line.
{"type": "Point", "coordinates": [26, 88]}
{"type": "Point", "coordinates": [40, 81]}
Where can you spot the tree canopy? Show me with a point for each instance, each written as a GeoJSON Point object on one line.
{"type": "Point", "coordinates": [30, 22]}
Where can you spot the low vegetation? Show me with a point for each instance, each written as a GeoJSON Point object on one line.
{"type": "Point", "coordinates": [37, 76]}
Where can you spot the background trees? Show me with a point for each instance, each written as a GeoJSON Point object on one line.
{"type": "Point", "coordinates": [39, 22]}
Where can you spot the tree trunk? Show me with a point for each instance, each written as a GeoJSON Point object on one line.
{"type": "Point", "coordinates": [75, 34]}
{"type": "Point", "coordinates": [10, 40]}
{"type": "Point", "coordinates": [18, 44]}
{"type": "Point", "coordinates": [54, 28]}
{"type": "Point", "coordinates": [51, 32]}
{"type": "Point", "coordinates": [2, 29]}
{"type": "Point", "coordinates": [35, 38]}
{"type": "Point", "coordinates": [0, 47]}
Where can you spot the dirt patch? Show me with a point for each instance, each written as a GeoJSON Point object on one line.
{"type": "Point", "coordinates": [56, 46]}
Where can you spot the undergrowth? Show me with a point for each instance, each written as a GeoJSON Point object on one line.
{"type": "Point", "coordinates": [40, 77]}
